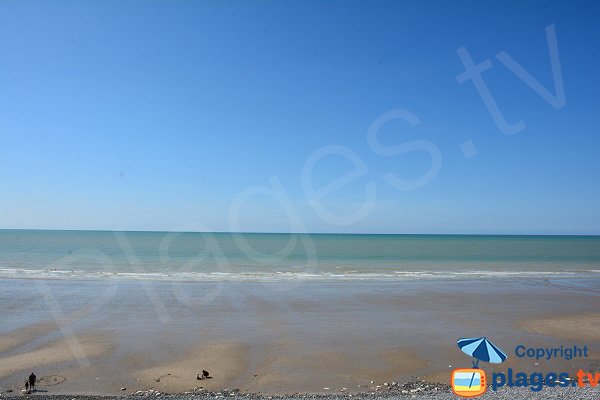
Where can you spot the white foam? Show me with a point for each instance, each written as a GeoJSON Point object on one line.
{"type": "Point", "coordinates": [282, 276]}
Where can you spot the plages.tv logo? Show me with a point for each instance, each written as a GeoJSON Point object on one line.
{"type": "Point", "coordinates": [472, 382]}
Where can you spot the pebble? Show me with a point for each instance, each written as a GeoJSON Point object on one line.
{"type": "Point", "coordinates": [418, 389]}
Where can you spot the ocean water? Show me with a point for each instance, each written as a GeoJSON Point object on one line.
{"type": "Point", "coordinates": [175, 256]}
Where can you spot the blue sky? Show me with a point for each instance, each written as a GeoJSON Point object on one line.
{"type": "Point", "coordinates": [203, 115]}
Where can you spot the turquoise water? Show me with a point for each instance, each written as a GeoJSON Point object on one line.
{"type": "Point", "coordinates": [264, 257]}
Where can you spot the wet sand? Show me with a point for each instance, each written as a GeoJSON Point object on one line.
{"type": "Point", "coordinates": [98, 337]}
{"type": "Point", "coordinates": [575, 327]}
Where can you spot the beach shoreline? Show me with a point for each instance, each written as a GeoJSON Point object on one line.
{"type": "Point", "coordinates": [278, 339]}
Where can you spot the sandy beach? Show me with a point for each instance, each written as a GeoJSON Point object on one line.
{"type": "Point", "coordinates": [270, 338]}
{"type": "Point", "coordinates": [286, 200]}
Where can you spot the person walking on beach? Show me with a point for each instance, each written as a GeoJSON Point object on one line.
{"type": "Point", "coordinates": [32, 379]}
{"type": "Point", "coordinates": [27, 387]}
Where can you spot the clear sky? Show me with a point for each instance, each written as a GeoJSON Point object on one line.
{"type": "Point", "coordinates": [222, 115]}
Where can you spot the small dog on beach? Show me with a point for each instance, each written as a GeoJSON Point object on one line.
{"type": "Point", "coordinates": [205, 375]}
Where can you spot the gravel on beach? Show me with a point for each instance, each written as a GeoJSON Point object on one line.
{"type": "Point", "coordinates": [416, 390]}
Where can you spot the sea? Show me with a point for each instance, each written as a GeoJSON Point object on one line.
{"type": "Point", "coordinates": [264, 257]}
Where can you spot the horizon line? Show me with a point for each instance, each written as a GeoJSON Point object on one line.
{"type": "Point", "coordinates": [303, 233]}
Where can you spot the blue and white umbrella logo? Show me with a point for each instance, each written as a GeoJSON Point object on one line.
{"type": "Point", "coordinates": [482, 350]}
